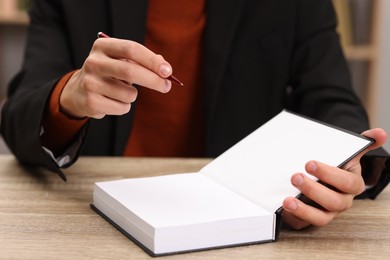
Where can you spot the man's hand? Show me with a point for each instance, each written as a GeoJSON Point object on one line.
{"type": "Point", "coordinates": [104, 85]}
{"type": "Point", "coordinates": [346, 182]}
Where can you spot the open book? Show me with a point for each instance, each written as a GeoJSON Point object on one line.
{"type": "Point", "coordinates": [235, 199]}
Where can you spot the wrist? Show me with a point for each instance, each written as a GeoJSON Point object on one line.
{"type": "Point", "coordinates": [66, 99]}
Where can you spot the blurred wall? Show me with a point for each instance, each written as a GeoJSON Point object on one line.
{"type": "Point", "coordinates": [383, 94]}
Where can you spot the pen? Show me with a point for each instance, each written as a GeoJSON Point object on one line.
{"type": "Point", "coordinates": [171, 77]}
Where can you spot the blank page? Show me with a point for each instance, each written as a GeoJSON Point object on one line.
{"type": "Point", "coordinates": [260, 166]}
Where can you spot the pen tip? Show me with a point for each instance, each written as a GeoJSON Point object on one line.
{"type": "Point", "coordinates": [175, 80]}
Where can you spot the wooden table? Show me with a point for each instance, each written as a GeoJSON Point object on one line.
{"type": "Point", "coordinates": [42, 217]}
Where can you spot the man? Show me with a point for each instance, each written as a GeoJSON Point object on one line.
{"type": "Point", "coordinates": [241, 63]}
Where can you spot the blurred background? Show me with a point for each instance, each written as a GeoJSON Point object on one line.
{"type": "Point", "coordinates": [363, 26]}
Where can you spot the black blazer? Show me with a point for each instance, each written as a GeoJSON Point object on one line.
{"type": "Point", "coordinates": [260, 56]}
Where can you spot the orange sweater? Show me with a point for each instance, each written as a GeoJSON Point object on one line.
{"type": "Point", "coordinates": [164, 124]}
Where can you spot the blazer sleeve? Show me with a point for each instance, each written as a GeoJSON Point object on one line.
{"type": "Point", "coordinates": [321, 84]}
{"type": "Point", "coordinates": [45, 62]}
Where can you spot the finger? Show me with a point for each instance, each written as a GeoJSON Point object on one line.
{"type": "Point", "coordinates": [97, 106]}
{"type": "Point", "coordinates": [305, 213]}
{"type": "Point", "coordinates": [110, 88]}
{"type": "Point", "coordinates": [102, 98]}
{"type": "Point", "coordinates": [378, 134]}
{"type": "Point", "coordinates": [293, 221]}
{"type": "Point", "coordinates": [119, 91]}
{"type": "Point", "coordinates": [127, 71]}
{"type": "Point", "coordinates": [325, 197]}
{"type": "Point", "coordinates": [130, 50]}
{"type": "Point", "coordinates": [133, 73]}
{"type": "Point", "coordinates": [344, 181]}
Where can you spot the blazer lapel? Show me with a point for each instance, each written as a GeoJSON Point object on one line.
{"type": "Point", "coordinates": [222, 21]}
{"type": "Point", "coordinates": [128, 22]}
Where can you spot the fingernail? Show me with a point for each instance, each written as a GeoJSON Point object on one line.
{"type": "Point", "coordinates": [167, 86]}
{"type": "Point", "coordinates": [165, 70]}
{"type": "Point", "coordinates": [311, 167]}
{"type": "Point", "coordinates": [292, 205]}
{"type": "Point", "coordinates": [297, 180]}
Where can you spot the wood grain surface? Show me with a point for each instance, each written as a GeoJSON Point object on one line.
{"type": "Point", "coordinates": [42, 217]}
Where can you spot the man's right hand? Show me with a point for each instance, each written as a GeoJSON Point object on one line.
{"type": "Point", "coordinates": [104, 85]}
